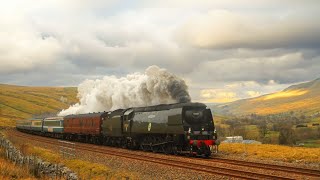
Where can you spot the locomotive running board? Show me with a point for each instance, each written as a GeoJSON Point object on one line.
{"type": "Point", "coordinates": [155, 144]}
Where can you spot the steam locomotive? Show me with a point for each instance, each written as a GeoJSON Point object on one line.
{"type": "Point", "coordinates": [183, 128]}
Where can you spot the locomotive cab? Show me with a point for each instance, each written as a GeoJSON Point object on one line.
{"type": "Point", "coordinates": [199, 130]}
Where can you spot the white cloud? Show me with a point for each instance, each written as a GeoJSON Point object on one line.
{"type": "Point", "coordinates": [226, 29]}
{"type": "Point", "coordinates": [238, 90]}
{"type": "Point", "coordinates": [23, 48]}
{"type": "Point", "coordinates": [217, 95]}
{"type": "Point", "coordinates": [253, 93]}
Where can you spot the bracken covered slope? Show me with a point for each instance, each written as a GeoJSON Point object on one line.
{"type": "Point", "coordinates": [19, 102]}
{"type": "Point", "coordinates": [304, 97]}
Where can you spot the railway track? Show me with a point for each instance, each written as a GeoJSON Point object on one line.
{"type": "Point", "coordinates": [288, 169]}
{"type": "Point", "coordinates": [208, 168]}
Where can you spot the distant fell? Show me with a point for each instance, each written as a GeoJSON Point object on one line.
{"type": "Point", "coordinates": [311, 85]}
{"type": "Point", "coordinates": [19, 102]}
{"type": "Point", "coordinates": [303, 97]}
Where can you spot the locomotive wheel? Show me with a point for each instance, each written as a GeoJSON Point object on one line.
{"type": "Point", "coordinates": [124, 144]}
{"type": "Point", "coordinates": [174, 150]}
{"type": "Point", "coordinates": [149, 142]}
{"type": "Point", "coordinates": [146, 144]}
{"type": "Point", "coordinates": [168, 149]}
{"type": "Point", "coordinates": [155, 140]}
{"type": "Point", "coordinates": [133, 145]}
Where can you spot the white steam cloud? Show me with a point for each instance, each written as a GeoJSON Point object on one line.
{"type": "Point", "coordinates": [155, 86]}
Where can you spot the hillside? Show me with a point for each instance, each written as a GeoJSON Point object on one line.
{"type": "Point", "coordinates": [18, 102]}
{"type": "Point", "coordinates": [304, 97]}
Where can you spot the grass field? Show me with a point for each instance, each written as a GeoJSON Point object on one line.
{"type": "Point", "coordinates": [273, 152]}
{"type": "Point", "coordinates": [87, 170]}
{"type": "Point", "coordinates": [218, 119]}
{"type": "Point", "coordinates": [311, 143]}
{"type": "Point", "coordinates": [20, 102]}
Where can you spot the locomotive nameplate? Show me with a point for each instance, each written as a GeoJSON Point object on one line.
{"type": "Point", "coordinates": [126, 126]}
{"type": "Point", "coordinates": [149, 126]}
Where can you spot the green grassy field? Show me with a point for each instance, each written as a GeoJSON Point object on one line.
{"type": "Point", "coordinates": [311, 143]}
{"type": "Point", "coordinates": [19, 102]}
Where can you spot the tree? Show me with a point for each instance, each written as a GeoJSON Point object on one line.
{"type": "Point", "coordinates": [240, 131]}
{"type": "Point", "coordinates": [222, 132]}
{"type": "Point", "coordinates": [263, 129]}
{"type": "Point", "coordinates": [291, 113]}
{"type": "Point", "coordinates": [287, 136]}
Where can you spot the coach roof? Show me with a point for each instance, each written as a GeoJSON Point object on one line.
{"type": "Point", "coordinates": [95, 114]}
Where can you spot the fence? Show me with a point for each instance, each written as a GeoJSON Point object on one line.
{"type": "Point", "coordinates": [37, 166]}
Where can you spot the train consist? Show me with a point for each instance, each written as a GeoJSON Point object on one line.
{"type": "Point", "coordinates": [183, 128]}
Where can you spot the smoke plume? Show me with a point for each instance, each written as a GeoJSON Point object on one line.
{"type": "Point", "coordinates": [155, 86]}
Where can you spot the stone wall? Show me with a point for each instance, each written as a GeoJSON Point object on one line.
{"type": "Point", "coordinates": [36, 166]}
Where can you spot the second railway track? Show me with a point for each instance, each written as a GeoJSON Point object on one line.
{"type": "Point", "coordinates": [289, 169]}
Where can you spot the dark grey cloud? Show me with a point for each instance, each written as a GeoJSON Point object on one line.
{"type": "Point", "coordinates": [284, 69]}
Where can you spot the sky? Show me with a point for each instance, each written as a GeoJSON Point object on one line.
{"type": "Point", "coordinates": [225, 50]}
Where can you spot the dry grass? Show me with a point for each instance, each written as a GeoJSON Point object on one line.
{"type": "Point", "coordinates": [284, 94]}
{"type": "Point", "coordinates": [273, 152]}
{"type": "Point", "coordinates": [10, 171]}
{"type": "Point", "coordinates": [219, 118]}
{"type": "Point", "coordinates": [20, 102]}
{"type": "Point", "coordinates": [309, 104]}
{"type": "Point", "coordinates": [85, 169]}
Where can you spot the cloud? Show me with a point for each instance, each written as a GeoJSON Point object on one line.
{"type": "Point", "coordinates": [238, 90]}
{"type": "Point", "coordinates": [285, 69]}
{"type": "Point", "coordinates": [223, 29]}
{"type": "Point", "coordinates": [218, 95]}
{"type": "Point", "coordinates": [212, 44]}
{"type": "Point", "coordinates": [253, 93]}
{"type": "Point", "coordinates": [24, 49]}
